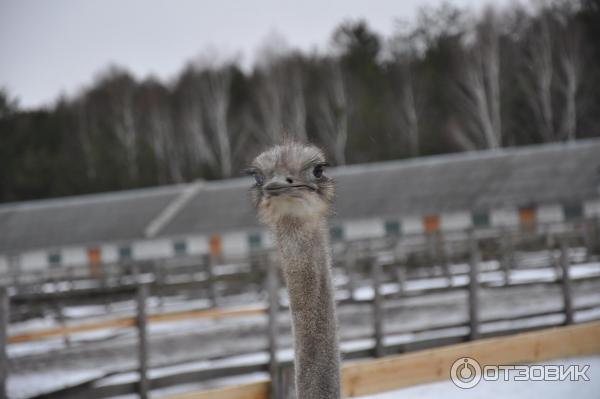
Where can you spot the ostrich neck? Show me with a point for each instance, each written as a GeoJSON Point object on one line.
{"type": "Point", "coordinates": [306, 262]}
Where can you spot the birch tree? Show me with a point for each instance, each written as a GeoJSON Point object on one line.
{"type": "Point", "coordinates": [552, 76]}
{"type": "Point", "coordinates": [537, 76]}
{"type": "Point", "coordinates": [216, 92]}
{"type": "Point", "coordinates": [478, 88]}
{"type": "Point", "coordinates": [280, 98]}
{"type": "Point", "coordinates": [332, 117]}
{"type": "Point", "coordinates": [404, 48]}
{"type": "Point", "coordinates": [571, 65]}
{"type": "Point", "coordinates": [157, 121]}
{"type": "Point", "coordinates": [190, 113]}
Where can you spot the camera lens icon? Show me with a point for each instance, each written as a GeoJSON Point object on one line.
{"type": "Point", "coordinates": [465, 372]}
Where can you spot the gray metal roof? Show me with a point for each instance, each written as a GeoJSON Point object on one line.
{"type": "Point", "coordinates": [81, 220]}
{"type": "Point", "coordinates": [553, 173]}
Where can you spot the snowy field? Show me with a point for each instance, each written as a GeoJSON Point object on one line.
{"type": "Point", "coordinates": [44, 366]}
{"type": "Point", "coordinates": [510, 389]}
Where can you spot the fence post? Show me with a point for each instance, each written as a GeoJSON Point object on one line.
{"type": "Point", "coordinates": [60, 315]}
{"type": "Point", "coordinates": [592, 236]}
{"type": "Point", "coordinates": [4, 309]}
{"type": "Point", "coordinates": [566, 282]}
{"type": "Point", "coordinates": [377, 308]}
{"type": "Point", "coordinates": [15, 270]}
{"type": "Point", "coordinates": [287, 381]}
{"type": "Point", "coordinates": [160, 278]}
{"type": "Point", "coordinates": [142, 294]}
{"type": "Point", "coordinates": [443, 257]}
{"type": "Point", "coordinates": [209, 262]}
{"type": "Point", "coordinates": [474, 287]}
{"type": "Point", "coordinates": [135, 270]}
{"type": "Point", "coordinates": [350, 266]}
{"type": "Point", "coordinates": [401, 279]}
{"type": "Point", "coordinates": [71, 277]}
{"type": "Point", "coordinates": [506, 257]}
{"type": "Point", "coordinates": [587, 238]}
{"type": "Point", "coordinates": [273, 289]}
{"type": "Point", "coordinates": [432, 253]}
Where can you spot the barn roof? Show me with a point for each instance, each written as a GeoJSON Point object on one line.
{"type": "Point", "coordinates": [477, 181]}
{"type": "Point", "coordinates": [83, 219]}
{"type": "Point", "coordinates": [513, 177]}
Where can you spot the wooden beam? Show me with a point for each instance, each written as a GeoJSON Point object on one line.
{"type": "Point", "coordinates": [381, 375]}
{"type": "Point", "coordinates": [131, 322]}
{"type": "Point", "coordinates": [368, 377]}
{"type": "Point", "coordinates": [253, 390]}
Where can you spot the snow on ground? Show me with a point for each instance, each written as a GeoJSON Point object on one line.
{"type": "Point", "coordinates": [510, 389]}
{"type": "Point", "coordinates": [22, 386]}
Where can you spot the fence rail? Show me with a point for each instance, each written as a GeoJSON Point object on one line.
{"type": "Point", "coordinates": [381, 375]}
{"type": "Point", "coordinates": [373, 264]}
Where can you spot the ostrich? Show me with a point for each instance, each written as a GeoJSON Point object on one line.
{"type": "Point", "coordinates": [293, 198]}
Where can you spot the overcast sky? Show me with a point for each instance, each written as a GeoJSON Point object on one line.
{"type": "Point", "coordinates": [54, 46]}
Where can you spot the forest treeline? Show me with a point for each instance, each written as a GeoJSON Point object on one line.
{"type": "Point", "coordinates": [448, 81]}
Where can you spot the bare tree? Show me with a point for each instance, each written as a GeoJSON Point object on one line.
{"type": "Point", "coordinates": [190, 113]}
{"type": "Point", "coordinates": [536, 79]}
{"type": "Point", "coordinates": [552, 76]}
{"type": "Point", "coordinates": [120, 89]}
{"type": "Point", "coordinates": [570, 62]}
{"type": "Point", "coordinates": [408, 109]}
{"type": "Point", "coordinates": [269, 102]}
{"type": "Point", "coordinates": [216, 93]}
{"type": "Point", "coordinates": [157, 121]}
{"type": "Point", "coordinates": [478, 87]}
{"type": "Point", "coordinates": [404, 48]}
{"type": "Point", "coordinates": [84, 131]}
{"type": "Point", "coordinates": [332, 118]}
{"type": "Point", "coordinates": [108, 108]}
{"type": "Point", "coordinates": [280, 98]}
{"type": "Point", "coordinates": [296, 112]}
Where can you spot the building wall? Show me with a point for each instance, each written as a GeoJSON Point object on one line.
{"type": "Point", "coordinates": [241, 242]}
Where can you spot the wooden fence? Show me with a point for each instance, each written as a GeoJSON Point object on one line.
{"type": "Point", "coordinates": [369, 377]}
{"type": "Point", "coordinates": [278, 369]}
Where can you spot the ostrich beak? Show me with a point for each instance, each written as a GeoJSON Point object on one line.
{"type": "Point", "coordinates": [279, 185]}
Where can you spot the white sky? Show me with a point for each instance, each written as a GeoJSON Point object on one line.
{"type": "Point", "coordinates": [58, 46]}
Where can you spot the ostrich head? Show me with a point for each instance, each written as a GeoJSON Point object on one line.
{"type": "Point", "coordinates": [291, 184]}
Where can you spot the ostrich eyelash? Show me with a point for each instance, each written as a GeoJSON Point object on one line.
{"type": "Point", "coordinates": [254, 172]}
{"type": "Point", "coordinates": [250, 171]}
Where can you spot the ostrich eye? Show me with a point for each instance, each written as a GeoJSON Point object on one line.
{"type": "Point", "coordinates": [260, 179]}
{"type": "Point", "coordinates": [318, 171]}
{"type": "Point", "coordinates": [258, 176]}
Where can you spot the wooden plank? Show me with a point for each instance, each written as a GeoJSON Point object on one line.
{"type": "Point", "coordinates": [131, 322]}
{"type": "Point", "coordinates": [374, 376]}
{"type": "Point", "coordinates": [254, 390]}
{"type": "Point", "coordinates": [369, 377]}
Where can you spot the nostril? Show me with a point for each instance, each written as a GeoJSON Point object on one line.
{"type": "Point", "coordinates": [289, 180]}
